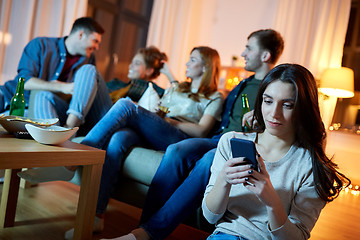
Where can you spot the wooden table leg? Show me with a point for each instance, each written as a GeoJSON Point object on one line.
{"type": "Point", "coordinates": [9, 198]}
{"type": "Point", "coordinates": [89, 190]}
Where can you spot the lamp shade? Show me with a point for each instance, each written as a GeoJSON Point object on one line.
{"type": "Point", "coordinates": [338, 82]}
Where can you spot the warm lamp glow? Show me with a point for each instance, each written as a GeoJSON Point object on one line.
{"type": "Point", "coordinates": [231, 83]}
{"type": "Point", "coordinates": [338, 82]}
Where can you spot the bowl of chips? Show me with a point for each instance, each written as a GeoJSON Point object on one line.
{"type": "Point", "coordinates": [51, 135]}
{"type": "Point", "coordinates": [14, 124]}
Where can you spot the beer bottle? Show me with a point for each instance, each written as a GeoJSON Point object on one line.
{"type": "Point", "coordinates": [17, 105]}
{"type": "Point", "coordinates": [245, 109]}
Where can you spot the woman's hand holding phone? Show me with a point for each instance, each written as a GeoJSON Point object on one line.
{"type": "Point", "coordinates": [237, 170]}
{"type": "Point", "coordinates": [240, 168]}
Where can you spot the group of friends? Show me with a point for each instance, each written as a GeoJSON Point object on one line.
{"type": "Point", "coordinates": [280, 200]}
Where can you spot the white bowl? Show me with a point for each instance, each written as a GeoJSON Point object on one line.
{"type": "Point", "coordinates": [17, 124]}
{"type": "Point", "coordinates": [51, 135]}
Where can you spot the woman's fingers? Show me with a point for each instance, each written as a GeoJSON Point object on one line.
{"type": "Point", "coordinates": [237, 170]}
{"type": "Point", "coordinates": [261, 164]}
{"type": "Point", "coordinates": [247, 118]}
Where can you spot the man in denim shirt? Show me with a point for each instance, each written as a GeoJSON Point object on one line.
{"type": "Point", "coordinates": [178, 186]}
{"type": "Point", "coordinates": [64, 70]}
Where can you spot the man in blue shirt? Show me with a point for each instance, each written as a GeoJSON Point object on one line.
{"type": "Point", "coordinates": [178, 186]}
{"type": "Point", "coordinates": [64, 70]}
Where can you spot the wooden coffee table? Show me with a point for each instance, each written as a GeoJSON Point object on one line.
{"type": "Point", "coordinates": [24, 153]}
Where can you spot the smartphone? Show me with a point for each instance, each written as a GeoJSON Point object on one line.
{"type": "Point", "coordinates": [244, 148]}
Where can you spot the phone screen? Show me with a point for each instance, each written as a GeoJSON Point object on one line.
{"type": "Point", "coordinates": [244, 148]}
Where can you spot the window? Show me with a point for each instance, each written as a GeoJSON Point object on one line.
{"type": "Point", "coordinates": [351, 56]}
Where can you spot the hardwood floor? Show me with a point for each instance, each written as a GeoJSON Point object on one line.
{"type": "Point", "coordinates": [340, 219]}
{"type": "Point", "coordinates": [47, 210]}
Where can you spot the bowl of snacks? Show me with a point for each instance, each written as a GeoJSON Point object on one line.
{"type": "Point", "coordinates": [14, 124]}
{"type": "Point", "coordinates": [51, 135]}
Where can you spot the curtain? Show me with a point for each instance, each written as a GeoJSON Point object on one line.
{"type": "Point", "coordinates": [318, 42]}
{"type": "Point", "coordinates": [176, 27]}
{"type": "Point", "coordinates": [314, 30]}
{"type": "Point", "coordinates": [23, 20]}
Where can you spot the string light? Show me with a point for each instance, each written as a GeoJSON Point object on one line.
{"type": "Point", "coordinates": [354, 190]}
{"type": "Point", "coordinates": [337, 126]}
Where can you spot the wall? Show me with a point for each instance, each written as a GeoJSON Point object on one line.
{"type": "Point", "coordinates": [234, 20]}
{"type": "Point", "coordinates": [314, 31]}
{"type": "Point", "coordinates": [176, 27]}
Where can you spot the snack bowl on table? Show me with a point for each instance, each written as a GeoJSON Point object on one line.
{"type": "Point", "coordinates": [14, 124]}
{"type": "Point", "coordinates": [51, 135]}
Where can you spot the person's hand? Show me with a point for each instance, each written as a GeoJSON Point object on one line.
{"type": "Point", "coordinates": [167, 72]}
{"type": "Point", "coordinates": [247, 119]}
{"type": "Point", "coordinates": [165, 69]}
{"type": "Point", "coordinates": [236, 171]}
{"type": "Point", "coordinates": [161, 111]}
{"type": "Point", "coordinates": [259, 183]}
{"type": "Point", "coordinates": [171, 121]}
{"type": "Point", "coordinates": [66, 88]}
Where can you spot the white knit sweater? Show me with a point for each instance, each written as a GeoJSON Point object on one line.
{"type": "Point", "coordinates": [246, 215]}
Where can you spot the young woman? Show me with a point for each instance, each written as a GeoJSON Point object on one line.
{"type": "Point", "coordinates": [126, 124]}
{"type": "Point", "coordinates": [295, 180]}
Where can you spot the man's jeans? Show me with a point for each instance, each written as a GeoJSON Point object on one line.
{"type": "Point", "coordinates": [126, 124]}
{"type": "Point", "coordinates": [178, 186]}
{"type": "Point", "coordinates": [89, 102]}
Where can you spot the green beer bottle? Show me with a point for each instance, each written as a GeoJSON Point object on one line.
{"type": "Point", "coordinates": [17, 105]}
{"type": "Point", "coordinates": [245, 109]}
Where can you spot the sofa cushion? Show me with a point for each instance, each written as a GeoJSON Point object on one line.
{"type": "Point", "coordinates": [141, 164]}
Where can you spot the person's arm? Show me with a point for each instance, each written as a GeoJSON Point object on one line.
{"type": "Point", "coordinates": [214, 206]}
{"type": "Point", "coordinates": [31, 63]}
{"type": "Point", "coordinates": [207, 121]}
{"type": "Point", "coordinates": [259, 183]}
{"type": "Point", "coordinates": [200, 129]}
{"type": "Point", "coordinates": [54, 86]}
{"type": "Point", "coordinates": [304, 208]}
{"type": "Point", "coordinates": [228, 172]}
{"type": "Point", "coordinates": [218, 197]}
{"type": "Point", "coordinates": [167, 72]}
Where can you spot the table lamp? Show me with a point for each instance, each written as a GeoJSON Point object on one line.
{"type": "Point", "coordinates": [335, 83]}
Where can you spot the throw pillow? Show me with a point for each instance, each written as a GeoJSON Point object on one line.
{"type": "Point", "coordinates": [150, 99]}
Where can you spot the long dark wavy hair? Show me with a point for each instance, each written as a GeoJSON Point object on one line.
{"type": "Point", "coordinates": [309, 129]}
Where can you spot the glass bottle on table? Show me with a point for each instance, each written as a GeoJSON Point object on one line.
{"type": "Point", "coordinates": [17, 104]}
{"type": "Point", "coordinates": [245, 109]}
